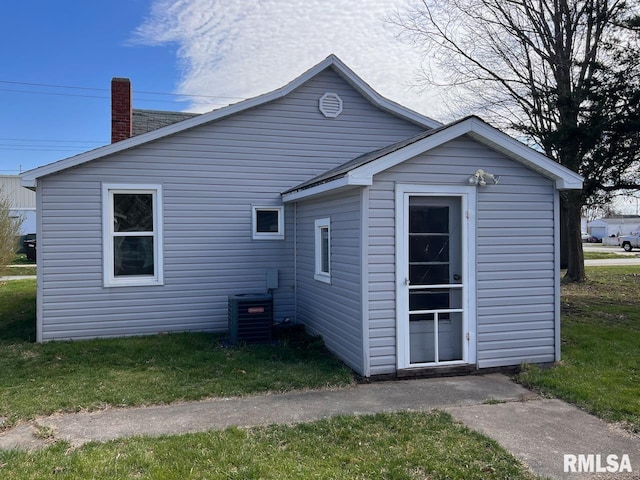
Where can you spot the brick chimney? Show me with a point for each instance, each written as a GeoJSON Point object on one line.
{"type": "Point", "coordinates": [121, 124]}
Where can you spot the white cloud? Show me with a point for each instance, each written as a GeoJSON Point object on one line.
{"type": "Point", "coordinates": [243, 49]}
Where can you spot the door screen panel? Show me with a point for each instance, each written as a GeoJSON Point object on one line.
{"type": "Point", "coordinates": [434, 280]}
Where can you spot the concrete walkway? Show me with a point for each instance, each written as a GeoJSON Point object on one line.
{"type": "Point", "coordinates": [625, 258]}
{"type": "Point", "coordinates": [537, 431]}
{"type": "Point", "coordinates": [612, 262]}
{"type": "Point", "coordinates": [16, 277]}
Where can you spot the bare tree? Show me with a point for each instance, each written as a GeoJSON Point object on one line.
{"type": "Point", "coordinates": [562, 75]}
{"type": "Point", "coordinates": [9, 232]}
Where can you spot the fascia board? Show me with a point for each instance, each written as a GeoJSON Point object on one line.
{"type": "Point", "coordinates": [29, 177]}
{"type": "Point", "coordinates": [563, 178]}
{"type": "Point", "coordinates": [346, 181]}
{"type": "Point", "coordinates": [364, 175]}
{"type": "Point", "coordinates": [410, 151]}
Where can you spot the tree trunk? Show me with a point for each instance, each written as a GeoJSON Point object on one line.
{"type": "Point", "coordinates": [571, 204]}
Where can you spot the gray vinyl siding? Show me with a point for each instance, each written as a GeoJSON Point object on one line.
{"type": "Point", "coordinates": [211, 175]}
{"type": "Point", "coordinates": [333, 310]}
{"type": "Point", "coordinates": [514, 259]}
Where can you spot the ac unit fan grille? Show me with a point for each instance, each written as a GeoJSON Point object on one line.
{"type": "Point", "coordinates": [250, 318]}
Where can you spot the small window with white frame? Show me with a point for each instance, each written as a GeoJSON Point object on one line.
{"type": "Point", "coordinates": [267, 223]}
{"type": "Point", "coordinates": [132, 235]}
{"type": "Point", "coordinates": [323, 250]}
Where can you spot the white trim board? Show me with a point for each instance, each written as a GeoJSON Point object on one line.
{"type": "Point", "coordinates": [29, 178]}
{"type": "Point", "coordinates": [477, 129]}
{"type": "Point", "coordinates": [109, 278]}
{"type": "Point", "coordinates": [468, 197]}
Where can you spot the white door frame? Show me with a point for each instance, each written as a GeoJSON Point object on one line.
{"type": "Point", "coordinates": [467, 196]}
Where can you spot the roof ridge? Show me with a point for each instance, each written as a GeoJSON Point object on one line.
{"type": "Point", "coordinates": [165, 111]}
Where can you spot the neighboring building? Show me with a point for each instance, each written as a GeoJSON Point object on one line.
{"type": "Point", "coordinates": [380, 229]}
{"type": "Point", "coordinates": [23, 202]}
{"type": "Point", "coordinates": [615, 226]}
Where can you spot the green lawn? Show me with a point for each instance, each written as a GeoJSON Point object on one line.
{"type": "Point", "coordinates": [600, 372]}
{"type": "Point", "coordinates": [21, 270]}
{"type": "Point", "coordinates": [21, 259]}
{"type": "Point", "coordinates": [71, 376]}
{"type": "Point", "coordinates": [383, 446]}
{"type": "Point", "coordinates": [92, 374]}
{"type": "Point", "coordinates": [604, 255]}
{"type": "Point", "coordinates": [19, 265]}
{"type": "Point", "coordinates": [600, 367]}
{"type": "Point", "coordinates": [17, 312]}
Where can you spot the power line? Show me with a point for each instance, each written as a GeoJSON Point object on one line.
{"type": "Point", "coordinates": [42, 146]}
{"type": "Point", "coordinates": [54, 86]}
{"type": "Point", "coordinates": [102, 97]}
{"type": "Point", "coordinates": [42, 149]}
{"type": "Point", "coordinates": [50, 85]}
{"type": "Point", "coordinates": [48, 140]}
{"type": "Point", "coordinates": [52, 93]}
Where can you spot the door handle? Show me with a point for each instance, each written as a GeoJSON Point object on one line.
{"type": "Point", "coordinates": [407, 282]}
{"type": "Point", "coordinates": [456, 277]}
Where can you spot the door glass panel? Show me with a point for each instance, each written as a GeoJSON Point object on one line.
{"type": "Point", "coordinates": [428, 300]}
{"type": "Point", "coordinates": [428, 219]}
{"type": "Point", "coordinates": [428, 248]}
{"type": "Point", "coordinates": [429, 245]}
{"type": "Point", "coordinates": [450, 337]}
{"type": "Point", "coordinates": [429, 274]}
{"type": "Point", "coordinates": [435, 299]}
{"type": "Point", "coordinates": [421, 332]}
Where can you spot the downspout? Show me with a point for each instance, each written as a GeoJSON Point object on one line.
{"type": "Point", "coordinates": [295, 262]}
{"type": "Point", "coordinates": [556, 273]}
{"type": "Point", "coordinates": [364, 281]}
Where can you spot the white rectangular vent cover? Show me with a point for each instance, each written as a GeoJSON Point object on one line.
{"type": "Point", "coordinates": [330, 105]}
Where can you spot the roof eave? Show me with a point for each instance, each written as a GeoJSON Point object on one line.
{"type": "Point", "coordinates": [332, 61]}
{"type": "Point", "coordinates": [563, 178]}
{"type": "Point", "coordinates": [327, 187]}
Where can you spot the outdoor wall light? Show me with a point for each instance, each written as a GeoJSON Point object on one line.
{"type": "Point", "coordinates": [482, 178]}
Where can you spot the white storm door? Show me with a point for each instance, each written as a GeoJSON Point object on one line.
{"type": "Point", "coordinates": [436, 272]}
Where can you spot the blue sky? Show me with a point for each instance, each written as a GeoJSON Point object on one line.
{"type": "Point", "coordinates": [193, 47]}
{"type": "Point", "coordinates": [71, 43]}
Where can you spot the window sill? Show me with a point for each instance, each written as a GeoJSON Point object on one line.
{"type": "Point", "coordinates": [134, 282]}
{"type": "Point", "coordinates": [268, 237]}
{"type": "Point", "coordinates": [323, 277]}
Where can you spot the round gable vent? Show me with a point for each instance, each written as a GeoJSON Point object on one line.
{"type": "Point", "coordinates": [330, 105]}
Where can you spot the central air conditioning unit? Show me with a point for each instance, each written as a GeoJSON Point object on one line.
{"type": "Point", "coordinates": [250, 318]}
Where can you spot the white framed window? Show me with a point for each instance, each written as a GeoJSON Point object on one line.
{"type": "Point", "coordinates": [323, 250]}
{"type": "Point", "coordinates": [132, 235]}
{"type": "Point", "coordinates": [267, 223]}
